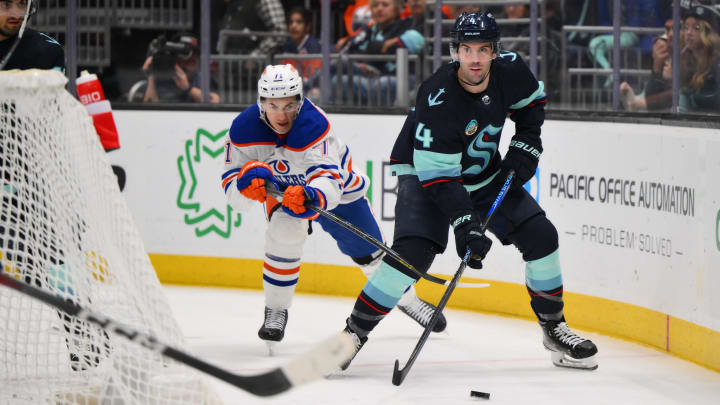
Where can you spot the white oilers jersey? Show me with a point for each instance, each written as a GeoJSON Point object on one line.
{"type": "Point", "coordinates": [307, 155]}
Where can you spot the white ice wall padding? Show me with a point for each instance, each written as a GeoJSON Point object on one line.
{"type": "Point", "coordinates": [65, 227]}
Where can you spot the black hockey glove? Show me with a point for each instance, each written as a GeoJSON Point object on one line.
{"type": "Point", "coordinates": [523, 158]}
{"type": "Point", "coordinates": [468, 236]}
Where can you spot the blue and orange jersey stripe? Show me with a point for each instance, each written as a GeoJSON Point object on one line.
{"type": "Point", "coordinates": [228, 177]}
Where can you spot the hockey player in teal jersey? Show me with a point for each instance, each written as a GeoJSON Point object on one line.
{"type": "Point", "coordinates": [286, 141]}
{"type": "Point", "coordinates": [450, 171]}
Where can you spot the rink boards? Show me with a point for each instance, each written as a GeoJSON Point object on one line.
{"type": "Point", "coordinates": [637, 209]}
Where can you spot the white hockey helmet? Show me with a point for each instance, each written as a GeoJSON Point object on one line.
{"type": "Point", "coordinates": [279, 81]}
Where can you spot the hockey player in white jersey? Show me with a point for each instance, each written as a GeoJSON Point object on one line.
{"type": "Point", "coordinates": [287, 142]}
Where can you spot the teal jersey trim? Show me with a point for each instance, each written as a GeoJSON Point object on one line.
{"type": "Point", "coordinates": [539, 93]}
{"type": "Point", "coordinates": [50, 39]}
{"type": "Point", "coordinates": [431, 165]}
{"type": "Point", "coordinates": [544, 274]}
{"type": "Point", "coordinates": [402, 169]}
{"type": "Point", "coordinates": [473, 187]}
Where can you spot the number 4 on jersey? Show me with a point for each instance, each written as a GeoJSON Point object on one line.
{"type": "Point", "coordinates": [423, 135]}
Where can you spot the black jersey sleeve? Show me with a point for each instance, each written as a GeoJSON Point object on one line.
{"type": "Point", "coordinates": [526, 98]}
{"type": "Point", "coordinates": [58, 58]}
{"type": "Point", "coordinates": [402, 151]}
{"type": "Point", "coordinates": [35, 51]}
{"type": "Point", "coordinates": [438, 150]}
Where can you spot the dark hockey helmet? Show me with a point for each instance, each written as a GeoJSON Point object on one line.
{"type": "Point", "coordinates": [474, 27]}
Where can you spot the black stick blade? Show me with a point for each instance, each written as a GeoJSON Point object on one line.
{"type": "Point", "coordinates": [398, 375]}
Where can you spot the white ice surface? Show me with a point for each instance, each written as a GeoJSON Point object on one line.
{"type": "Point", "coordinates": [499, 355]}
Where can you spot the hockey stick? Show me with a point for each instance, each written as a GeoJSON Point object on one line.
{"type": "Point", "coordinates": [28, 10]}
{"type": "Point", "coordinates": [320, 361]}
{"type": "Point", "coordinates": [400, 374]}
{"type": "Point", "coordinates": [370, 239]}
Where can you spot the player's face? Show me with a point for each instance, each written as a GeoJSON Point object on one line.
{"type": "Point", "coordinates": [11, 17]}
{"type": "Point", "coordinates": [475, 59]}
{"type": "Point", "coordinates": [281, 112]}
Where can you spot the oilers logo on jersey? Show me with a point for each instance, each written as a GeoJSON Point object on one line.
{"type": "Point", "coordinates": [282, 168]}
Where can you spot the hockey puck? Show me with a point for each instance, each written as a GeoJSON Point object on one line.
{"type": "Point", "coordinates": [480, 394]}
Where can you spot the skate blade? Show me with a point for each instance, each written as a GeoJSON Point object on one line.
{"type": "Point", "coordinates": [561, 359]}
{"type": "Point", "coordinates": [271, 347]}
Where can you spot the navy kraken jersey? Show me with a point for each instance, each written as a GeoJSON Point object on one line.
{"type": "Point", "coordinates": [453, 135]}
{"type": "Point", "coordinates": [35, 51]}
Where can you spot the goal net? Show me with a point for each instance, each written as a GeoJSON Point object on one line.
{"type": "Point", "coordinates": [65, 228]}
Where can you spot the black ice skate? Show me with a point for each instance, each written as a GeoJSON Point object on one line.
{"type": "Point", "coordinates": [273, 329]}
{"type": "Point", "coordinates": [421, 312]}
{"type": "Point", "coordinates": [358, 341]}
{"type": "Point", "coordinates": [568, 349]}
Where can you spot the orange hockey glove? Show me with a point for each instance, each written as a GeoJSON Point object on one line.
{"type": "Point", "coordinates": [255, 190]}
{"type": "Point", "coordinates": [295, 198]}
{"type": "Point", "coordinates": [252, 178]}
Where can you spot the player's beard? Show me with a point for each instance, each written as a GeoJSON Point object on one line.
{"type": "Point", "coordinates": [474, 83]}
{"type": "Point", "coordinates": [7, 31]}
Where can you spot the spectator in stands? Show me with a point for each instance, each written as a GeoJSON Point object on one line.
{"type": "Point", "coordinates": [658, 90]}
{"type": "Point", "coordinates": [699, 66]}
{"type": "Point", "coordinates": [357, 17]}
{"type": "Point", "coordinates": [172, 68]}
{"type": "Point", "coordinates": [253, 15]}
{"type": "Point", "coordinates": [387, 34]}
{"type": "Point", "coordinates": [700, 60]}
{"type": "Point", "coordinates": [417, 10]}
{"type": "Point", "coordinates": [637, 13]}
{"type": "Point", "coordinates": [301, 42]}
{"type": "Point", "coordinates": [520, 30]}
{"type": "Point", "coordinates": [383, 37]}
{"type": "Point", "coordinates": [514, 12]}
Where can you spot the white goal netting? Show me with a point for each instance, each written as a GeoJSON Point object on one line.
{"type": "Point", "coordinates": [65, 227]}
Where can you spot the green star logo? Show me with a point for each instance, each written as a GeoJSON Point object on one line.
{"type": "Point", "coordinates": [204, 149]}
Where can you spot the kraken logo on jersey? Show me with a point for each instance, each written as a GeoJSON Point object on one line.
{"type": "Point", "coordinates": [280, 166]}
{"type": "Point", "coordinates": [432, 101]}
{"type": "Point", "coordinates": [486, 99]}
{"type": "Point", "coordinates": [471, 128]}
{"type": "Point", "coordinates": [482, 148]}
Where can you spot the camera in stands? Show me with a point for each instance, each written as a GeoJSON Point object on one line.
{"type": "Point", "coordinates": [166, 54]}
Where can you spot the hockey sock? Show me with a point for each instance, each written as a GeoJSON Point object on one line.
{"type": "Point", "coordinates": [380, 294]}
{"type": "Point", "coordinates": [543, 279]}
{"type": "Point", "coordinates": [280, 276]}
